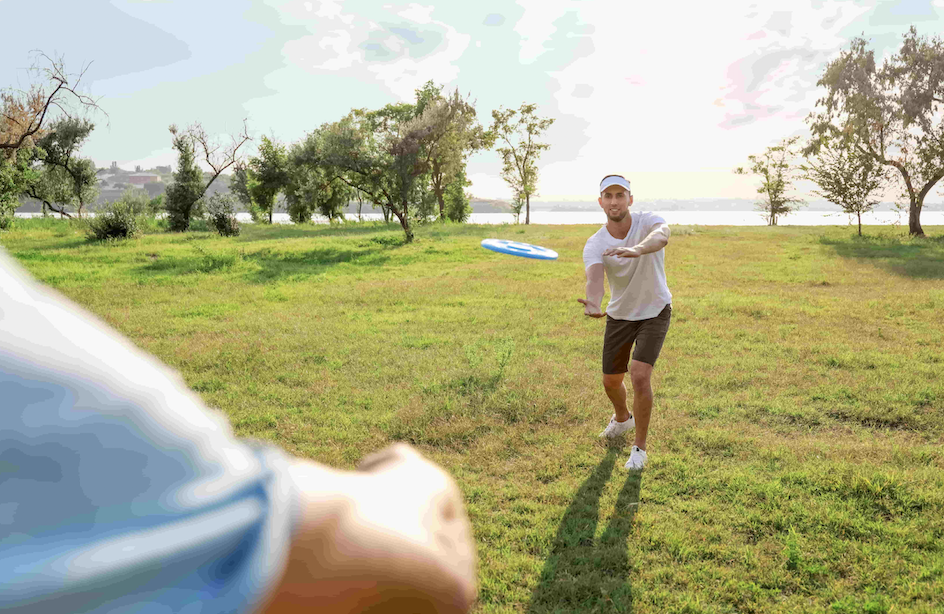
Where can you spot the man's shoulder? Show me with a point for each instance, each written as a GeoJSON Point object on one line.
{"type": "Point", "coordinates": [595, 237]}
{"type": "Point", "coordinates": [648, 220]}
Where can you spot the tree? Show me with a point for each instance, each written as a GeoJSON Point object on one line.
{"type": "Point", "coordinates": [24, 113]}
{"type": "Point", "coordinates": [385, 153]}
{"type": "Point", "coordinates": [456, 198]}
{"type": "Point", "coordinates": [189, 185]}
{"type": "Point", "coordinates": [187, 188]}
{"type": "Point", "coordinates": [890, 114]}
{"type": "Point", "coordinates": [267, 176]}
{"type": "Point", "coordinates": [59, 147]}
{"type": "Point", "coordinates": [521, 149]}
{"type": "Point", "coordinates": [312, 186]}
{"type": "Point", "coordinates": [240, 184]}
{"type": "Point", "coordinates": [775, 167]}
{"type": "Point", "coordinates": [464, 137]}
{"type": "Point", "coordinates": [517, 203]}
{"type": "Point", "coordinates": [847, 178]}
{"type": "Point", "coordinates": [25, 116]}
{"type": "Point", "coordinates": [17, 176]}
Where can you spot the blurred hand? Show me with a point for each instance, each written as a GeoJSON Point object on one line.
{"type": "Point", "coordinates": [391, 537]}
{"type": "Point", "coordinates": [590, 309]}
{"type": "Point", "coordinates": [420, 509]}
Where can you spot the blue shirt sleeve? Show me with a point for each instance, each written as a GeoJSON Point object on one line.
{"type": "Point", "coordinates": [120, 491]}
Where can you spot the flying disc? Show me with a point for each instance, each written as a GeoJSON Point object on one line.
{"type": "Point", "coordinates": [525, 250]}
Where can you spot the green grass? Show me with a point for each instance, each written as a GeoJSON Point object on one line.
{"type": "Point", "coordinates": [795, 449]}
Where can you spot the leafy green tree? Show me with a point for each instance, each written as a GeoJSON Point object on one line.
{"type": "Point", "coordinates": [385, 154]}
{"type": "Point", "coordinates": [267, 177]}
{"type": "Point", "coordinates": [188, 186]}
{"type": "Point", "coordinates": [17, 176]}
{"type": "Point", "coordinates": [457, 207]}
{"type": "Point", "coordinates": [60, 147]}
{"type": "Point", "coordinates": [847, 178]}
{"type": "Point", "coordinates": [519, 131]}
{"type": "Point", "coordinates": [517, 203]}
{"type": "Point", "coordinates": [239, 184]}
{"type": "Point", "coordinates": [890, 113]}
{"type": "Point", "coordinates": [183, 200]}
{"type": "Point", "coordinates": [25, 118]}
{"type": "Point", "coordinates": [777, 171]}
{"type": "Point", "coordinates": [464, 137]}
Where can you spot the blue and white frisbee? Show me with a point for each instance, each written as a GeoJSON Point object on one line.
{"type": "Point", "coordinates": [525, 250]}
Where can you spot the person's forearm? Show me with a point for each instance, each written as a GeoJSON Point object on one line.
{"type": "Point", "coordinates": [656, 240]}
{"type": "Point", "coordinates": [595, 291]}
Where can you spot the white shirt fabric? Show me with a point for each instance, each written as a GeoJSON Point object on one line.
{"type": "Point", "coordinates": [120, 491]}
{"type": "Point", "coordinates": [638, 290]}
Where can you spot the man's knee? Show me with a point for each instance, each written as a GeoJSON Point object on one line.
{"type": "Point", "coordinates": [640, 373]}
{"type": "Point", "coordinates": [612, 381]}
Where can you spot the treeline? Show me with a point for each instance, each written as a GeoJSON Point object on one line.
{"type": "Point", "coordinates": [408, 159]}
{"type": "Point", "coordinates": [876, 127]}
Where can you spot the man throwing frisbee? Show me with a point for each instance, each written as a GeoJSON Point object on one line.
{"type": "Point", "coordinates": [629, 250]}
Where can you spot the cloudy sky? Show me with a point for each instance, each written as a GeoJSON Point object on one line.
{"type": "Point", "coordinates": [673, 95]}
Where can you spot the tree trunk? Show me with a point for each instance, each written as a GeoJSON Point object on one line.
{"type": "Point", "coordinates": [527, 209]}
{"type": "Point", "coordinates": [442, 203]}
{"type": "Point", "coordinates": [860, 224]}
{"type": "Point", "coordinates": [270, 215]}
{"type": "Point", "coordinates": [405, 222]}
{"type": "Point", "coordinates": [914, 218]}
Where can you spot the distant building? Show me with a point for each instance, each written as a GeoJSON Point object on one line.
{"type": "Point", "coordinates": [142, 178]}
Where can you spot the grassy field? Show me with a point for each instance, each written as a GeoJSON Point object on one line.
{"type": "Point", "coordinates": [795, 458]}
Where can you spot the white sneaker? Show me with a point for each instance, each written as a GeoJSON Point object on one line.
{"type": "Point", "coordinates": [637, 460]}
{"type": "Point", "coordinates": [615, 429]}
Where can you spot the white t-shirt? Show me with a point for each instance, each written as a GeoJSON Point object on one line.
{"type": "Point", "coordinates": [638, 290]}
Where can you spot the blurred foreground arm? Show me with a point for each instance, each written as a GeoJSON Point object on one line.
{"type": "Point", "coordinates": [391, 537]}
{"type": "Point", "coordinates": [594, 291]}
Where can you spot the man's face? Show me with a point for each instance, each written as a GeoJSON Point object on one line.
{"type": "Point", "coordinates": [615, 202]}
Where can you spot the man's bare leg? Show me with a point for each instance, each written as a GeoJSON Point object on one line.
{"type": "Point", "coordinates": [616, 390]}
{"type": "Point", "coordinates": [641, 373]}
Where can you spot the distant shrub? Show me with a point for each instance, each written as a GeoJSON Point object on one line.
{"type": "Point", "coordinates": [113, 221]}
{"type": "Point", "coordinates": [221, 213]}
{"type": "Point", "coordinates": [7, 221]}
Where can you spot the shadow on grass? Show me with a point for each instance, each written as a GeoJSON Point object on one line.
{"type": "Point", "coordinates": [277, 265]}
{"type": "Point", "coordinates": [583, 576]}
{"type": "Point", "coordinates": [921, 258]}
{"type": "Point", "coordinates": [267, 232]}
{"type": "Point", "coordinates": [271, 264]}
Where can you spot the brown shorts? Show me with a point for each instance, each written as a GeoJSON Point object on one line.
{"type": "Point", "coordinates": [620, 335]}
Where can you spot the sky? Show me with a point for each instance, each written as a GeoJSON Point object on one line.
{"type": "Point", "coordinates": [671, 95]}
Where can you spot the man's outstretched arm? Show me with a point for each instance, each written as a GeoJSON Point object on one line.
{"type": "Point", "coordinates": [654, 241]}
{"type": "Point", "coordinates": [594, 291]}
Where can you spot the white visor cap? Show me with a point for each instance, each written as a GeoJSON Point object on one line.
{"type": "Point", "coordinates": [614, 180]}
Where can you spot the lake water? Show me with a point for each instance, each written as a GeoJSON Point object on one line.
{"type": "Point", "coordinates": [697, 218]}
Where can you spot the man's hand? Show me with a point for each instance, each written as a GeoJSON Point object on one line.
{"type": "Point", "coordinates": [590, 309]}
{"type": "Point", "coordinates": [623, 252]}
{"type": "Point", "coordinates": [392, 536]}
{"type": "Point", "coordinates": [416, 513]}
